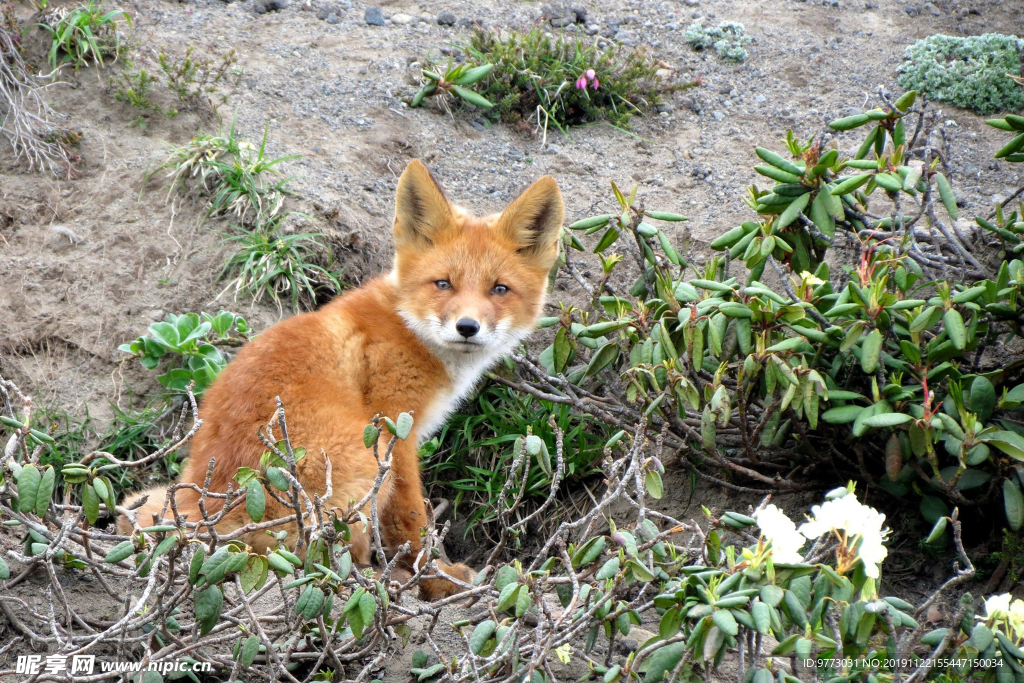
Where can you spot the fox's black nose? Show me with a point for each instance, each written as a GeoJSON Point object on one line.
{"type": "Point", "coordinates": [467, 327]}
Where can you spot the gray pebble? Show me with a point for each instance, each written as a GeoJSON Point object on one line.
{"type": "Point", "coordinates": [446, 18]}
{"type": "Point", "coordinates": [374, 17]}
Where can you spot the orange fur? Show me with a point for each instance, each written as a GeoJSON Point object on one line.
{"type": "Point", "coordinates": [388, 347]}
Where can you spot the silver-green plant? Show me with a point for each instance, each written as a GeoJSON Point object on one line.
{"type": "Point", "coordinates": [972, 72]}
{"type": "Point", "coordinates": [729, 39]}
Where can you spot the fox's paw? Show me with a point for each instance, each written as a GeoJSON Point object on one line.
{"type": "Point", "coordinates": [435, 589]}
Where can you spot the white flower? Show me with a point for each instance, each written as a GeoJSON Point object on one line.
{"type": "Point", "coordinates": [809, 278]}
{"type": "Point", "coordinates": [779, 530]}
{"type": "Point", "coordinates": [1016, 618]}
{"type": "Point", "coordinates": [997, 606]}
{"type": "Point", "coordinates": [1006, 614]}
{"type": "Point", "coordinates": [861, 523]}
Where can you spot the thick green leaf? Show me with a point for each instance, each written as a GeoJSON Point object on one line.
{"type": "Point", "coordinates": [208, 606]}
{"type": "Point", "coordinates": [255, 500]}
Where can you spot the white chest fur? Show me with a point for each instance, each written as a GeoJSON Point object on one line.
{"type": "Point", "coordinates": [464, 371]}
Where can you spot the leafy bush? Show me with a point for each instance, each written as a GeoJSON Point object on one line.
{"type": "Point", "coordinates": [234, 173]}
{"type": "Point", "coordinates": [728, 39]}
{"type": "Point", "coordinates": [84, 34]}
{"type": "Point", "coordinates": [716, 589]}
{"type": "Point", "coordinates": [537, 77]}
{"type": "Point", "coordinates": [190, 342]}
{"type": "Point", "coordinates": [751, 380]}
{"type": "Point", "coordinates": [973, 72]}
{"type": "Point", "coordinates": [270, 262]}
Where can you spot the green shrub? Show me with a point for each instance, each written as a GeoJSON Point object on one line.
{"type": "Point", "coordinates": [751, 379]}
{"type": "Point", "coordinates": [973, 73]}
{"type": "Point", "coordinates": [728, 39]}
{"type": "Point", "coordinates": [537, 77]}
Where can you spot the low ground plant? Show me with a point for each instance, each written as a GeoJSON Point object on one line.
{"type": "Point", "coordinates": [189, 348]}
{"type": "Point", "coordinates": [197, 80]}
{"type": "Point", "coordinates": [235, 175]}
{"type": "Point", "coordinates": [471, 455]}
{"type": "Point", "coordinates": [728, 40]}
{"type": "Point", "coordinates": [268, 262]}
{"type": "Point", "coordinates": [778, 601]}
{"type": "Point", "coordinates": [972, 72]}
{"type": "Point", "coordinates": [84, 34]}
{"type": "Point", "coordinates": [194, 81]}
{"type": "Point", "coordinates": [561, 81]}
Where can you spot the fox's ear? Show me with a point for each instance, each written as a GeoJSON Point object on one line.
{"type": "Point", "coordinates": [421, 209]}
{"type": "Point", "coordinates": [534, 220]}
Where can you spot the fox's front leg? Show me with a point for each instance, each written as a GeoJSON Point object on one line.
{"type": "Point", "coordinates": [403, 517]}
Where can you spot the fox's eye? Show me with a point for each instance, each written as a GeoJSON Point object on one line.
{"type": "Point", "coordinates": [500, 290]}
{"type": "Point", "coordinates": [443, 284]}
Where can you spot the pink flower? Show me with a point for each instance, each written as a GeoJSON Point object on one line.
{"type": "Point", "coordinates": [581, 83]}
{"type": "Point", "coordinates": [591, 75]}
{"type": "Point", "coordinates": [595, 84]}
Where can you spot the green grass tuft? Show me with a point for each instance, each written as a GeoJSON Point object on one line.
{"type": "Point", "coordinates": [473, 453]}
{"type": "Point", "coordinates": [270, 262]}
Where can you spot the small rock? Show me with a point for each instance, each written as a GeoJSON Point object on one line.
{"type": "Point", "coordinates": [271, 6]}
{"type": "Point", "coordinates": [549, 149]}
{"type": "Point", "coordinates": [466, 21]}
{"type": "Point", "coordinates": [325, 11]}
{"type": "Point", "coordinates": [624, 37]}
{"type": "Point", "coordinates": [446, 18]}
{"type": "Point", "coordinates": [870, 6]}
{"type": "Point", "coordinates": [374, 17]}
{"type": "Point", "coordinates": [691, 3]}
{"type": "Point", "coordinates": [760, 99]}
{"type": "Point", "coordinates": [663, 73]}
{"type": "Point", "coordinates": [559, 16]}
{"type": "Point", "coordinates": [332, 18]}
{"type": "Point", "coordinates": [664, 108]}
{"type": "Point", "coordinates": [931, 9]}
{"type": "Point", "coordinates": [401, 19]}
{"type": "Point", "coordinates": [718, 115]}
{"type": "Point", "coordinates": [912, 10]}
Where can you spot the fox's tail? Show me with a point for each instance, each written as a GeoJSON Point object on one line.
{"type": "Point", "coordinates": [150, 512]}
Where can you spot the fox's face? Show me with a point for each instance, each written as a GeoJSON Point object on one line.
{"type": "Point", "coordinates": [469, 285]}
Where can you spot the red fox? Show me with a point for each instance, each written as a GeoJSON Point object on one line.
{"type": "Point", "coordinates": [463, 291]}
